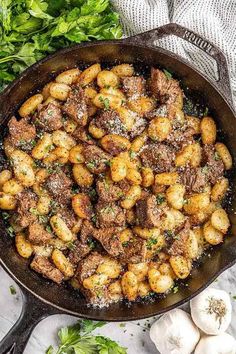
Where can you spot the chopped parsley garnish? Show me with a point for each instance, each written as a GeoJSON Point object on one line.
{"type": "Point", "coordinates": [108, 163]}
{"type": "Point", "coordinates": [216, 156]}
{"type": "Point", "coordinates": [175, 289]}
{"type": "Point", "coordinates": [71, 245]}
{"type": "Point", "coordinates": [5, 215]}
{"type": "Point", "coordinates": [167, 74]}
{"type": "Point", "coordinates": [49, 229]}
{"type": "Point", "coordinates": [94, 219]}
{"type": "Point", "coordinates": [42, 219]}
{"type": "Point", "coordinates": [91, 244]}
{"type": "Point", "coordinates": [160, 199]}
{"type": "Point", "coordinates": [33, 211]}
{"type": "Point", "coordinates": [12, 290]}
{"type": "Point", "coordinates": [206, 111]}
{"type": "Point", "coordinates": [11, 231]}
{"type": "Point", "coordinates": [75, 190]}
{"type": "Point", "coordinates": [125, 243]}
{"type": "Point", "coordinates": [132, 154]}
{"type": "Point", "coordinates": [205, 169]}
{"type": "Point", "coordinates": [151, 242]}
{"type": "Point", "coordinates": [168, 233]}
{"type": "Point", "coordinates": [105, 102]}
{"type": "Point", "coordinates": [50, 112]}
{"type": "Point", "coordinates": [91, 164]}
{"type": "Point", "coordinates": [92, 193]}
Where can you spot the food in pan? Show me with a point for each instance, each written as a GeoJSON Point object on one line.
{"type": "Point", "coordinates": [110, 186]}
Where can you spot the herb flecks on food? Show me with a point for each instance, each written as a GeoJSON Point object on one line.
{"type": "Point", "coordinates": [160, 198]}
{"type": "Point", "coordinates": [167, 74]}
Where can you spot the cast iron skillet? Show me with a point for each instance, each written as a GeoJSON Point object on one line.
{"type": "Point", "coordinates": [42, 298]}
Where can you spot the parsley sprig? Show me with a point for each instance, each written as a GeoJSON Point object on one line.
{"type": "Point", "coordinates": [32, 29]}
{"type": "Point", "coordinates": [78, 339]}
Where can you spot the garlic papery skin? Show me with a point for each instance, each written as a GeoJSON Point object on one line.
{"type": "Point", "coordinates": [211, 311]}
{"type": "Point", "coordinates": [175, 333]}
{"type": "Point", "coordinates": [222, 344]}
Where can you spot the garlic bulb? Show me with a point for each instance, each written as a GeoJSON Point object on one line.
{"type": "Point", "coordinates": [221, 344]}
{"type": "Point", "coordinates": [211, 311]}
{"type": "Point", "coordinates": [175, 333]}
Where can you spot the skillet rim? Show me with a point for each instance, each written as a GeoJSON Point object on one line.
{"type": "Point", "coordinates": [126, 42]}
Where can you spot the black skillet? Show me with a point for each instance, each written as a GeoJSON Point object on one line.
{"type": "Point", "coordinates": [42, 298]}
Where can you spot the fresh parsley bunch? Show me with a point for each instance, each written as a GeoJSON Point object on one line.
{"type": "Point", "coordinates": [78, 339]}
{"type": "Point", "coordinates": [31, 29]}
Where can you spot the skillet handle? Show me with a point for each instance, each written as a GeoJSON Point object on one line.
{"type": "Point", "coordinates": [149, 38]}
{"type": "Point", "coordinates": [33, 311]}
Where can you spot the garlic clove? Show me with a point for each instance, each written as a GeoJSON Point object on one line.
{"type": "Point", "coordinates": [175, 333]}
{"type": "Point", "coordinates": [222, 344]}
{"type": "Point", "coordinates": [211, 311]}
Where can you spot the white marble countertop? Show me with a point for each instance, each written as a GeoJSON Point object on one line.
{"type": "Point", "coordinates": [132, 335]}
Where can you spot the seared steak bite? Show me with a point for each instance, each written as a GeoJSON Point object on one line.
{"type": "Point", "coordinates": [159, 157]}
{"type": "Point", "coordinates": [68, 216]}
{"type": "Point", "coordinates": [110, 240]}
{"type": "Point", "coordinates": [134, 251]}
{"type": "Point", "coordinates": [147, 212]}
{"type": "Point", "coordinates": [164, 89]}
{"type": "Point", "coordinates": [59, 186]}
{"type": "Point", "coordinates": [22, 133]}
{"type": "Point", "coordinates": [43, 266]}
{"type": "Point", "coordinates": [108, 191]}
{"type": "Point", "coordinates": [38, 235]}
{"type": "Point", "coordinates": [194, 179]}
{"type": "Point", "coordinates": [86, 232]}
{"type": "Point", "coordinates": [76, 107]}
{"type": "Point", "coordinates": [78, 252]}
{"type": "Point", "coordinates": [134, 86]}
{"type": "Point", "coordinates": [110, 122]}
{"type": "Point", "coordinates": [26, 206]}
{"type": "Point", "coordinates": [214, 168]}
{"type": "Point", "coordinates": [49, 118]}
{"type": "Point", "coordinates": [82, 135]}
{"type": "Point", "coordinates": [88, 266]}
{"type": "Point", "coordinates": [96, 159]}
{"type": "Point", "coordinates": [109, 214]}
{"type": "Point", "coordinates": [178, 247]}
{"type": "Point", "coordinates": [179, 138]}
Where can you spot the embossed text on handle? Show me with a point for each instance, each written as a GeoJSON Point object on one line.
{"type": "Point", "coordinates": [198, 41]}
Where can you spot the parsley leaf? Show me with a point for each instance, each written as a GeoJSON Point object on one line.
{"type": "Point", "coordinates": [167, 74]}
{"type": "Point", "coordinates": [28, 29]}
{"type": "Point", "coordinates": [77, 339]}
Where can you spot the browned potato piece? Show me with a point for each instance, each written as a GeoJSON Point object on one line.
{"type": "Point", "coordinates": [142, 105]}
{"type": "Point", "coordinates": [196, 203]}
{"type": "Point", "coordinates": [181, 266]}
{"type": "Point", "coordinates": [224, 154]}
{"type": "Point", "coordinates": [159, 128]}
{"type": "Point", "coordinates": [220, 220]}
{"type": "Point", "coordinates": [107, 78]}
{"type": "Point", "coordinates": [82, 206]}
{"type": "Point", "coordinates": [212, 235]}
{"type": "Point", "coordinates": [208, 130]}
{"type": "Point", "coordinates": [82, 176]}
{"type": "Point", "coordinates": [129, 283]}
{"type": "Point", "coordinates": [114, 144]}
{"type": "Point", "coordinates": [159, 283]}
{"type": "Point", "coordinates": [219, 189]}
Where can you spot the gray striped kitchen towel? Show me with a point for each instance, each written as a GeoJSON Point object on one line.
{"type": "Point", "coordinates": [213, 19]}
